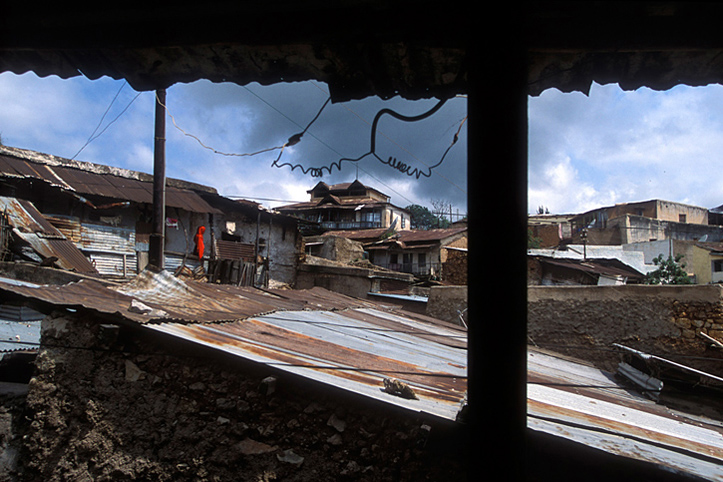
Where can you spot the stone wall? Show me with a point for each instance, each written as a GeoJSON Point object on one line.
{"type": "Point", "coordinates": [109, 403]}
{"type": "Point", "coordinates": [446, 301]}
{"type": "Point", "coordinates": [584, 322]}
{"type": "Point", "coordinates": [349, 280]}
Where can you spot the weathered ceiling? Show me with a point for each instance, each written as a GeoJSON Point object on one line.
{"type": "Point", "coordinates": [367, 47]}
{"type": "Point", "coordinates": [360, 47]}
{"type": "Point", "coordinates": [635, 44]}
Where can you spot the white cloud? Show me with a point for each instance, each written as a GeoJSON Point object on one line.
{"type": "Point", "coordinates": [57, 117]}
{"type": "Point", "coordinates": [625, 146]}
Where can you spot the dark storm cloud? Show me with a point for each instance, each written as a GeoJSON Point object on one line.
{"type": "Point", "coordinates": [213, 128]}
{"type": "Point", "coordinates": [338, 144]}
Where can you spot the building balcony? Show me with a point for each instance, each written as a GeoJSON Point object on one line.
{"type": "Point", "coordinates": [416, 269]}
{"type": "Point", "coordinates": [351, 224]}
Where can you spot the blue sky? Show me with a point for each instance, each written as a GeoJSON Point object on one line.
{"type": "Point", "coordinates": [210, 127]}
{"type": "Point", "coordinates": [585, 151]}
{"type": "Point", "coordinates": [614, 146]}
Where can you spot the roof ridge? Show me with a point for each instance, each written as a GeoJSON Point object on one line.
{"type": "Point", "coordinates": [94, 168]}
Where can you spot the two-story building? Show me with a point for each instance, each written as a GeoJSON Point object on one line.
{"type": "Point", "coordinates": [652, 220]}
{"type": "Point", "coordinates": [348, 206]}
{"type": "Point", "coordinates": [419, 252]}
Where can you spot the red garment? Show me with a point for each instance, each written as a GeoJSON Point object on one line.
{"type": "Point", "coordinates": [198, 239]}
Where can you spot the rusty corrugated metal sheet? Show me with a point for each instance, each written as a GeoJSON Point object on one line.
{"type": "Point", "coordinates": [610, 267]}
{"type": "Point", "coordinates": [328, 337]}
{"type": "Point", "coordinates": [74, 178]}
{"type": "Point", "coordinates": [43, 237]}
{"type": "Point", "coordinates": [235, 250]}
{"type": "Point", "coordinates": [337, 349]}
{"type": "Point", "coordinates": [583, 404]}
{"type": "Point", "coordinates": [417, 235]}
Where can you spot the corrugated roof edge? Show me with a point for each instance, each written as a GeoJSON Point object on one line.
{"type": "Point", "coordinates": [51, 160]}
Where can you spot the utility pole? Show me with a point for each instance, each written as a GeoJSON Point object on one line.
{"type": "Point", "coordinates": [156, 243]}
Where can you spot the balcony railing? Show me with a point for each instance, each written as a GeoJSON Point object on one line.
{"type": "Point", "coordinates": [351, 224]}
{"type": "Point", "coordinates": [413, 268]}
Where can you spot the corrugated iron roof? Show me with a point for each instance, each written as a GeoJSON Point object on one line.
{"type": "Point", "coordinates": [405, 236]}
{"type": "Point", "coordinates": [346, 342]}
{"type": "Point", "coordinates": [16, 335]}
{"type": "Point", "coordinates": [84, 178]}
{"type": "Point", "coordinates": [585, 405]}
{"type": "Point", "coordinates": [417, 235]}
{"type": "Point", "coordinates": [607, 267]}
{"type": "Point", "coordinates": [43, 237]}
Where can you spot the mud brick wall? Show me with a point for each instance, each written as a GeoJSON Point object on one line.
{"type": "Point", "coordinates": [445, 303]}
{"type": "Point", "coordinates": [584, 322]}
{"type": "Point", "coordinates": [454, 269]}
{"type": "Point", "coordinates": [108, 404]}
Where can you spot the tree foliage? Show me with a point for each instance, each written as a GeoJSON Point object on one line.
{"type": "Point", "coordinates": [669, 272]}
{"type": "Point", "coordinates": [533, 242]}
{"type": "Point", "coordinates": [422, 218]}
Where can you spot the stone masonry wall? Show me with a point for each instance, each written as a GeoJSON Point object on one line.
{"type": "Point", "coordinates": [584, 322]}
{"type": "Point", "coordinates": [108, 404]}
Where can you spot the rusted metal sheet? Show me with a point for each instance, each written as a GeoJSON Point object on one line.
{"type": "Point", "coordinates": [334, 348]}
{"type": "Point", "coordinates": [43, 237]}
{"type": "Point", "coordinates": [582, 404]}
{"type": "Point", "coordinates": [335, 339]}
{"type": "Point", "coordinates": [85, 182]}
{"type": "Point", "coordinates": [235, 250]}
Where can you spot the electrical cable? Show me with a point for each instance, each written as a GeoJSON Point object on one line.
{"type": "Point", "coordinates": [391, 161]}
{"type": "Point", "coordinates": [456, 136]}
{"type": "Point", "coordinates": [227, 154]}
{"type": "Point", "coordinates": [319, 171]}
{"type": "Point", "coordinates": [101, 120]}
{"type": "Point", "coordinates": [93, 136]}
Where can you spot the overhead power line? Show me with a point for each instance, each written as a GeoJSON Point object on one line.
{"type": "Point", "coordinates": [319, 171]}
{"type": "Point", "coordinates": [93, 136]}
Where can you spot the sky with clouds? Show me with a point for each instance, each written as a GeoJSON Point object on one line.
{"type": "Point", "coordinates": [614, 146]}
{"type": "Point", "coordinates": [212, 128]}
{"type": "Point", "coordinates": [585, 151]}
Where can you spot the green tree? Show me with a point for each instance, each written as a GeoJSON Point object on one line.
{"type": "Point", "coordinates": [533, 242]}
{"type": "Point", "coordinates": [422, 218]}
{"type": "Point", "coordinates": [669, 272]}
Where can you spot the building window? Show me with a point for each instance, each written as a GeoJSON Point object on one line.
{"type": "Point", "coordinates": [371, 216]}
{"type": "Point", "coordinates": [717, 265]}
{"type": "Point", "coordinates": [681, 218]}
{"type": "Point", "coordinates": [422, 259]}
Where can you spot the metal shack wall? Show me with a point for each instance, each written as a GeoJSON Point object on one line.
{"type": "Point", "coordinates": [110, 248]}
{"type": "Point", "coordinates": [277, 241]}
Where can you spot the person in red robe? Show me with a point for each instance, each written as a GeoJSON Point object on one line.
{"type": "Point", "coordinates": [198, 239]}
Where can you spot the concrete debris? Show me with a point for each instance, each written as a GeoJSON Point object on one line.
{"type": "Point", "coordinates": [337, 423]}
{"type": "Point", "coordinates": [252, 447]}
{"type": "Point", "coordinates": [268, 386]}
{"type": "Point", "coordinates": [335, 440]}
{"type": "Point", "coordinates": [290, 457]}
{"type": "Point", "coordinates": [133, 373]}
